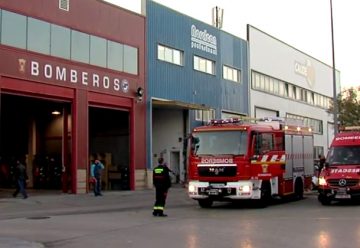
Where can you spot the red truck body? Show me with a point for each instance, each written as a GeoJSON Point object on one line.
{"type": "Point", "coordinates": [235, 160]}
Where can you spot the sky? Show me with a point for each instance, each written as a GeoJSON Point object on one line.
{"type": "Point", "coordinates": [304, 25]}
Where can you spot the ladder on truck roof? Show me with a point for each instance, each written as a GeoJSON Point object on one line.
{"type": "Point", "coordinates": [278, 123]}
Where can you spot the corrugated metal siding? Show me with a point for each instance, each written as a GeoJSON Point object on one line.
{"type": "Point", "coordinates": [183, 83]}
{"type": "Point", "coordinates": [233, 53]}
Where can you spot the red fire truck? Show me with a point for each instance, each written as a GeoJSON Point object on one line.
{"type": "Point", "coordinates": [340, 178]}
{"type": "Point", "coordinates": [258, 160]}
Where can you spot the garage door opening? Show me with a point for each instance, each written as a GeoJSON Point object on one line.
{"type": "Point", "coordinates": [109, 141]}
{"type": "Point", "coordinates": [32, 130]}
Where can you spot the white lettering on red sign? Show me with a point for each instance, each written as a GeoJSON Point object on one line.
{"type": "Point", "coordinates": [217, 160]}
{"type": "Point", "coordinates": [352, 170]}
{"type": "Point", "coordinates": [63, 74]}
{"type": "Point", "coordinates": [347, 138]}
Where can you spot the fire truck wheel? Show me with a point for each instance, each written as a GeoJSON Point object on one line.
{"type": "Point", "coordinates": [324, 200]}
{"type": "Point", "coordinates": [299, 189]}
{"type": "Point", "coordinates": [265, 197]}
{"type": "Point", "coordinates": [205, 203]}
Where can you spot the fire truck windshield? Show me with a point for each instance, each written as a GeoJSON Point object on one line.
{"type": "Point", "coordinates": [344, 155]}
{"type": "Point", "coordinates": [220, 143]}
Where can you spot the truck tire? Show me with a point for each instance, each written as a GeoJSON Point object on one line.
{"type": "Point", "coordinates": [299, 189]}
{"type": "Point", "coordinates": [206, 203]}
{"type": "Point", "coordinates": [265, 195]}
{"type": "Point", "coordinates": [324, 199]}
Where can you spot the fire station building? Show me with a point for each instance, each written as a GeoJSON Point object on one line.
{"type": "Point", "coordinates": [72, 75]}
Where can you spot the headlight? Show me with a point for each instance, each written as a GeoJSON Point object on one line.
{"type": "Point", "coordinates": [245, 188]}
{"type": "Point", "coordinates": [322, 181]}
{"type": "Point", "coordinates": [192, 188]}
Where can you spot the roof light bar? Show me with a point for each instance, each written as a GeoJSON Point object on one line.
{"type": "Point", "coordinates": [225, 121]}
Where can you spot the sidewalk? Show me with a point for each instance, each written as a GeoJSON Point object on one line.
{"type": "Point", "coordinates": [43, 204]}
{"type": "Point", "coordinates": [48, 204]}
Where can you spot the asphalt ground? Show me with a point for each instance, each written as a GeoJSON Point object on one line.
{"type": "Point", "coordinates": [43, 204]}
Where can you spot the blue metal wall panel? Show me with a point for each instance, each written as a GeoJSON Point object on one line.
{"type": "Point", "coordinates": [233, 53]}
{"type": "Point", "coordinates": [183, 83]}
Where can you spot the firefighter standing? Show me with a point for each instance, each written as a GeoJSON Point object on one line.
{"type": "Point", "coordinates": [162, 183]}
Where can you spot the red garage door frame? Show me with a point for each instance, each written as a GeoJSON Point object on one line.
{"type": "Point", "coordinates": [123, 104]}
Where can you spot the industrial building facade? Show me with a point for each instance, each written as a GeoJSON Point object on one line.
{"type": "Point", "coordinates": [86, 79]}
{"type": "Point", "coordinates": [196, 72]}
{"type": "Point", "coordinates": [286, 82]}
{"type": "Point", "coordinates": [71, 78]}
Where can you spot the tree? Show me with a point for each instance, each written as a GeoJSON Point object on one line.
{"type": "Point", "coordinates": [348, 107]}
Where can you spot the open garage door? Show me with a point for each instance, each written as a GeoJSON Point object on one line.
{"type": "Point", "coordinates": [34, 130]}
{"type": "Point", "coordinates": [109, 141]}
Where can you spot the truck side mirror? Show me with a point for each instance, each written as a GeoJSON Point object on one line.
{"type": "Point", "coordinates": [195, 143]}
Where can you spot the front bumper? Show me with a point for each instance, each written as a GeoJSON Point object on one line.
{"type": "Point", "coordinates": [340, 193]}
{"type": "Point", "coordinates": [249, 189]}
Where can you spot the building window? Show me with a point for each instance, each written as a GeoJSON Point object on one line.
{"type": "Point", "coordinates": [60, 41]}
{"type": "Point", "coordinates": [204, 65]}
{"type": "Point", "coordinates": [316, 125]}
{"type": "Point", "coordinates": [115, 54]}
{"type": "Point", "coordinates": [280, 88]}
{"type": "Point", "coordinates": [80, 43]}
{"type": "Point", "coordinates": [231, 74]}
{"type": "Point", "coordinates": [204, 115]}
{"type": "Point", "coordinates": [318, 151]}
{"type": "Point", "coordinates": [64, 5]}
{"type": "Point", "coordinates": [13, 29]}
{"type": "Point", "coordinates": [38, 36]}
{"type": "Point", "coordinates": [170, 55]}
{"type": "Point", "coordinates": [98, 51]}
{"type": "Point", "coordinates": [130, 60]}
{"type": "Point", "coordinates": [228, 115]}
{"type": "Point", "coordinates": [43, 37]}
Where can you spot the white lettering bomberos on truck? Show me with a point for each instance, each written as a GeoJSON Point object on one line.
{"type": "Point", "coordinates": [216, 160]}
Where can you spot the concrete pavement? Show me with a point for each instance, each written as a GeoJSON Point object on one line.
{"type": "Point", "coordinates": [45, 204]}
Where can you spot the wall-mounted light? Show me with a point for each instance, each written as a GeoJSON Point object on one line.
{"type": "Point", "coordinates": [55, 112]}
{"type": "Point", "coordinates": [140, 93]}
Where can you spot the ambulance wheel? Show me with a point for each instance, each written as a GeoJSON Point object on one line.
{"type": "Point", "coordinates": [299, 189]}
{"type": "Point", "coordinates": [324, 200]}
{"type": "Point", "coordinates": [205, 203]}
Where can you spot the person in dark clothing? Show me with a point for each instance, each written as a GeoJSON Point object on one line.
{"type": "Point", "coordinates": [322, 160]}
{"type": "Point", "coordinates": [162, 183]}
{"type": "Point", "coordinates": [95, 170]}
{"type": "Point", "coordinates": [20, 177]}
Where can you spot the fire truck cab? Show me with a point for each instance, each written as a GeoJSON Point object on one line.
{"type": "Point", "coordinates": [257, 160]}
{"type": "Point", "coordinates": [340, 177]}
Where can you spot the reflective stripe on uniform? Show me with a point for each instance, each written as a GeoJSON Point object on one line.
{"type": "Point", "coordinates": [158, 170]}
{"type": "Point", "coordinates": [158, 208]}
